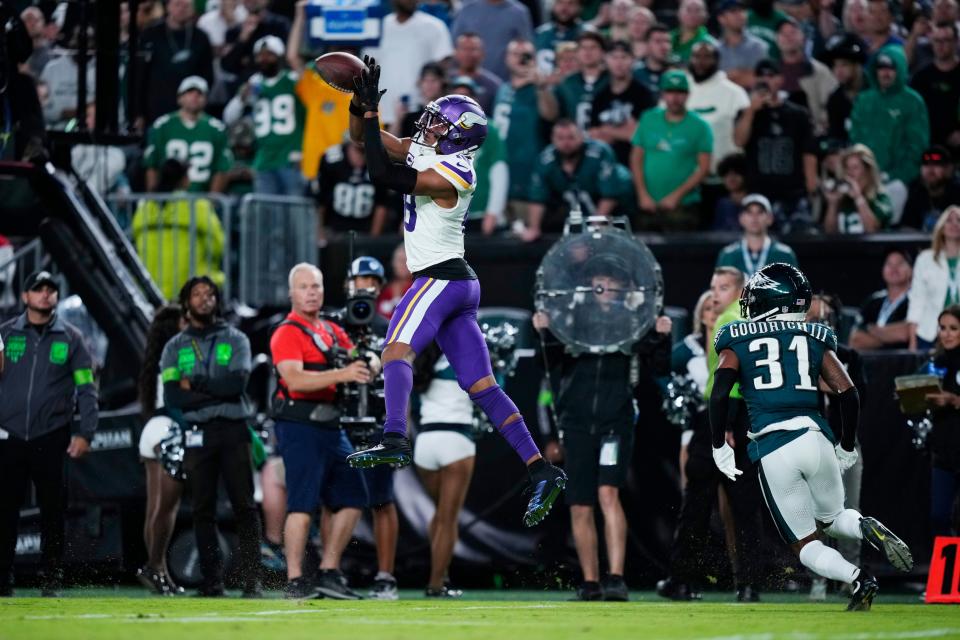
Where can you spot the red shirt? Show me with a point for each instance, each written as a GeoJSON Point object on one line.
{"type": "Point", "coordinates": [390, 296]}
{"type": "Point", "coordinates": [290, 343]}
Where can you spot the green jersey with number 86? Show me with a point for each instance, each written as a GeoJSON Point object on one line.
{"type": "Point", "coordinates": [780, 364]}
{"type": "Point", "coordinates": [278, 119]}
{"type": "Point", "coordinates": [202, 145]}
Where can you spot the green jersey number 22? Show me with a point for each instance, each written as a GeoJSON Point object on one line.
{"type": "Point", "coordinates": [772, 363]}
{"type": "Point", "coordinates": [199, 155]}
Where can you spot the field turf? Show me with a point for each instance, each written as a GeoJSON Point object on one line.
{"type": "Point", "coordinates": [501, 615]}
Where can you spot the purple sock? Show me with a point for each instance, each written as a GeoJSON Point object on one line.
{"type": "Point", "coordinates": [397, 385]}
{"type": "Point", "coordinates": [499, 407]}
{"type": "Point", "coordinates": [517, 434]}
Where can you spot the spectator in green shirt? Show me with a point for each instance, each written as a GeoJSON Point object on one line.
{"type": "Point", "coordinates": [756, 248]}
{"type": "Point", "coordinates": [692, 29]}
{"type": "Point", "coordinates": [857, 203]}
{"type": "Point", "coordinates": [670, 158]}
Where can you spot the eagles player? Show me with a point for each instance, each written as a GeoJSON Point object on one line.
{"type": "Point", "coordinates": [780, 360]}
{"type": "Point", "coordinates": [437, 179]}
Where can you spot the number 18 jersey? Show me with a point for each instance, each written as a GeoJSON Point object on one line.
{"type": "Point", "coordinates": [780, 364]}
{"type": "Point", "coordinates": [433, 234]}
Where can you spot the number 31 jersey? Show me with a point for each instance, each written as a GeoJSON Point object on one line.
{"type": "Point", "coordinates": [780, 364]}
{"type": "Point", "coordinates": [433, 234]}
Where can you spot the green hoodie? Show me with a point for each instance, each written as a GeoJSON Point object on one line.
{"type": "Point", "coordinates": [892, 122]}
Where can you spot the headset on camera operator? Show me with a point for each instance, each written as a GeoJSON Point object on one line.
{"type": "Point", "coordinates": [312, 359]}
{"type": "Point", "coordinates": [363, 412]}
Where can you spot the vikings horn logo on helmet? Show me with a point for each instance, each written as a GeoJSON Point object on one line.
{"type": "Point", "coordinates": [469, 119]}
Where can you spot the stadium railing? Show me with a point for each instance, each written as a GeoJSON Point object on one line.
{"type": "Point", "coordinates": [273, 233]}
{"type": "Point", "coordinates": [246, 246]}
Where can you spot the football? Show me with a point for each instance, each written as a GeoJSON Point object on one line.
{"type": "Point", "coordinates": [338, 69]}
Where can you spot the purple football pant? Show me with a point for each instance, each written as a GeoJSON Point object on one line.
{"type": "Point", "coordinates": [446, 311]}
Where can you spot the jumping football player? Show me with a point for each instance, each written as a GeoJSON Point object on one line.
{"type": "Point", "coordinates": [779, 361]}
{"type": "Point", "coordinates": [434, 170]}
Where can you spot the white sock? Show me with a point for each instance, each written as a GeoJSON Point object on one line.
{"type": "Point", "coordinates": [827, 562]}
{"type": "Point", "coordinates": [383, 575]}
{"type": "Point", "coordinates": [847, 525]}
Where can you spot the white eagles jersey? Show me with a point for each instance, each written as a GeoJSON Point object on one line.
{"type": "Point", "coordinates": [431, 233]}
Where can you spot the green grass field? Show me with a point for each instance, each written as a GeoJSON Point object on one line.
{"type": "Point", "coordinates": [482, 615]}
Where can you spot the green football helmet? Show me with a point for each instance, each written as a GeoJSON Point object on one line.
{"type": "Point", "coordinates": [777, 289]}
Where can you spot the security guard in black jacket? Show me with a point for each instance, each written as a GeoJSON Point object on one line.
{"type": "Point", "coordinates": [597, 418]}
{"type": "Point", "coordinates": [47, 376]}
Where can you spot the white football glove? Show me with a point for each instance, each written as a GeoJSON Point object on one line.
{"type": "Point", "coordinates": [846, 458]}
{"type": "Point", "coordinates": [726, 461]}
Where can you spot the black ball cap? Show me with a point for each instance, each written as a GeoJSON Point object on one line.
{"type": "Point", "coordinates": [38, 278]}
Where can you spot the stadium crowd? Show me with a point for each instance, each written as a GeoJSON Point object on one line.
{"type": "Point", "coordinates": [766, 119]}
{"type": "Point", "coordinates": [844, 115]}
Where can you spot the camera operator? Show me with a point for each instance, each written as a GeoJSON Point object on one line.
{"type": "Point", "coordinates": [204, 369]}
{"type": "Point", "coordinates": [596, 415]}
{"type": "Point", "coordinates": [366, 328]}
{"type": "Point", "coordinates": [311, 441]}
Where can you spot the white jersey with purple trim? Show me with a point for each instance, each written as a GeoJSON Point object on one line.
{"type": "Point", "coordinates": [433, 234]}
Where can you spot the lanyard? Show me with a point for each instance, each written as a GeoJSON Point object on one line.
{"type": "Point", "coordinates": [752, 267]}
{"type": "Point", "coordinates": [887, 309]}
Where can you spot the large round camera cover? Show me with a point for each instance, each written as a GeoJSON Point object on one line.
{"type": "Point", "coordinates": [601, 290]}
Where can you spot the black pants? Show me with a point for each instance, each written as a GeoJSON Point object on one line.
{"type": "Point", "coordinates": [699, 498]}
{"type": "Point", "coordinates": [43, 461]}
{"type": "Point", "coordinates": [225, 453]}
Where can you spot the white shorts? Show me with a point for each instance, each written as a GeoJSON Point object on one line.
{"type": "Point", "coordinates": [436, 449]}
{"type": "Point", "coordinates": [801, 485]}
{"type": "Point", "coordinates": [153, 432]}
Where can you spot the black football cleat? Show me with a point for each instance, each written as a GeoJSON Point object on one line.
{"type": "Point", "coordinates": [155, 581]}
{"type": "Point", "coordinates": [588, 591]}
{"type": "Point", "coordinates": [444, 592]}
{"type": "Point", "coordinates": [393, 450]}
{"type": "Point", "coordinates": [674, 590]}
{"type": "Point", "coordinates": [865, 589]}
{"type": "Point", "coordinates": [546, 483]}
{"type": "Point", "coordinates": [884, 540]}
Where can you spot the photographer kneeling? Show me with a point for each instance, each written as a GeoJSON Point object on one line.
{"type": "Point", "coordinates": [313, 446]}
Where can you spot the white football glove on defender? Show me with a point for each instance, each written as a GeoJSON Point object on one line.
{"type": "Point", "coordinates": [846, 458]}
{"type": "Point", "coordinates": [726, 461]}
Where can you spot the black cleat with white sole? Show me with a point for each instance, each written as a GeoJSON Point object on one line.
{"type": "Point", "coordinates": [393, 450]}
{"type": "Point", "coordinates": [865, 589]}
{"type": "Point", "coordinates": [885, 541]}
{"type": "Point", "coordinates": [546, 484]}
